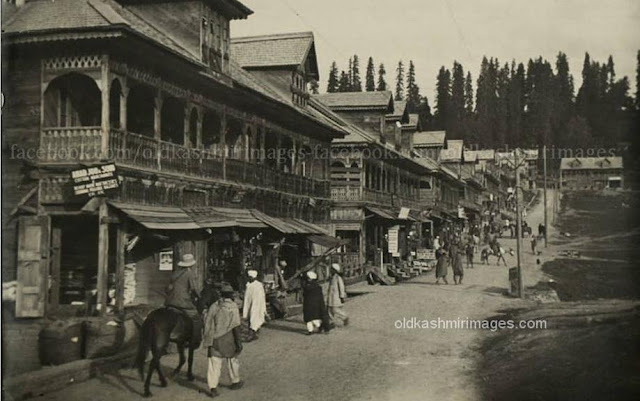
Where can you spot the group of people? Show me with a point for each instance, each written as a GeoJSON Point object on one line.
{"type": "Point", "coordinates": [219, 326]}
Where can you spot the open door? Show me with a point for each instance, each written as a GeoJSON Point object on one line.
{"type": "Point", "coordinates": [33, 260]}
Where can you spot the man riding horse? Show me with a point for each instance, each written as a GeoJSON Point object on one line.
{"type": "Point", "coordinates": [182, 293]}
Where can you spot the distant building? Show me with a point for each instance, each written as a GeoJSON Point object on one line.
{"type": "Point", "coordinates": [429, 143]}
{"type": "Point", "coordinates": [591, 173]}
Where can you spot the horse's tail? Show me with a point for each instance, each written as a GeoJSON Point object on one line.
{"type": "Point", "coordinates": [143, 347]}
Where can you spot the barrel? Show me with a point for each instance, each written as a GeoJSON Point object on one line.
{"type": "Point", "coordinates": [61, 342]}
{"type": "Point", "coordinates": [103, 337]}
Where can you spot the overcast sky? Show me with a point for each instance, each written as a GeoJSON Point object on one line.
{"type": "Point", "coordinates": [433, 33]}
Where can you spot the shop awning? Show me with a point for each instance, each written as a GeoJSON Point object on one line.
{"type": "Point", "coordinates": [288, 225]}
{"type": "Point", "coordinates": [157, 217]}
{"type": "Point", "coordinates": [382, 213]}
{"type": "Point", "coordinates": [217, 217]}
{"type": "Point", "coordinates": [418, 216]}
{"type": "Point", "coordinates": [327, 241]}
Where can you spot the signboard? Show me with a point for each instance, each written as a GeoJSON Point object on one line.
{"type": "Point", "coordinates": [404, 213]}
{"type": "Point", "coordinates": [166, 260]}
{"type": "Point", "coordinates": [461, 213]}
{"type": "Point", "coordinates": [425, 254]}
{"type": "Point", "coordinates": [393, 239]}
{"type": "Point", "coordinates": [93, 181]}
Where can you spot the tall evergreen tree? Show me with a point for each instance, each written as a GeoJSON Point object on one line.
{"type": "Point", "coordinates": [468, 94]}
{"type": "Point", "coordinates": [382, 83]}
{"type": "Point", "coordinates": [344, 85]}
{"type": "Point", "coordinates": [638, 81]}
{"type": "Point", "coordinates": [399, 94]}
{"type": "Point", "coordinates": [456, 125]}
{"type": "Point", "coordinates": [443, 99]}
{"type": "Point", "coordinates": [424, 114]}
{"type": "Point", "coordinates": [332, 85]}
{"type": "Point", "coordinates": [356, 82]}
{"type": "Point", "coordinates": [413, 91]}
{"type": "Point", "coordinates": [350, 76]}
{"type": "Point", "coordinates": [486, 102]}
{"type": "Point", "coordinates": [370, 83]}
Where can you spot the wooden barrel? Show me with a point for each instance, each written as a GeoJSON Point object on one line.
{"type": "Point", "coordinates": [103, 337]}
{"type": "Point", "coordinates": [61, 342]}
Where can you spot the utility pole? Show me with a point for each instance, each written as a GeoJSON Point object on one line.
{"type": "Point", "coordinates": [518, 226]}
{"type": "Point", "coordinates": [544, 158]}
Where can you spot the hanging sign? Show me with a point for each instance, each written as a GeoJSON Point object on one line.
{"type": "Point", "coordinates": [166, 260]}
{"type": "Point", "coordinates": [404, 213]}
{"type": "Point", "coordinates": [93, 181]}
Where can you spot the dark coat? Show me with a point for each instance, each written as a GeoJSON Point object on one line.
{"type": "Point", "coordinates": [456, 261]}
{"type": "Point", "coordinates": [313, 306]}
{"type": "Point", "coordinates": [441, 264]}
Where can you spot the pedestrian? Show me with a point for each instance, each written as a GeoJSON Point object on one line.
{"type": "Point", "coordinates": [456, 263]}
{"type": "Point", "coordinates": [470, 252]}
{"type": "Point", "coordinates": [441, 266]}
{"type": "Point", "coordinates": [436, 243]}
{"type": "Point", "coordinates": [182, 291]}
{"type": "Point", "coordinates": [254, 308]}
{"type": "Point", "coordinates": [499, 251]}
{"type": "Point", "coordinates": [534, 243]}
{"type": "Point", "coordinates": [313, 307]}
{"type": "Point", "coordinates": [337, 295]}
{"type": "Point", "coordinates": [222, 340]}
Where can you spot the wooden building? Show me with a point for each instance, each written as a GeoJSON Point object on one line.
{"type": "Point", "coordinates": [375, 183]}
{"type": "Point", "coordinates": [429, 144]}
{"type": "Point", "coordinates": [592, 173]}
{"type": "Point", "coordinates": [205, 150]}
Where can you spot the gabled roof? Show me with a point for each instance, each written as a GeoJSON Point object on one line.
{"type": "Point", "coordinates": [414, 119]}
{"type": "Point", "coordinates": [486, 154]}
{"type": "Point", "coordinates": [453, 152]}
{"type": "Point", "coordinates": [344, 101]}
{"type": "Point", "coordinates": [279, 50]}
{"type": "Point", "coordinates": [470, 156]}
{"type": "Point", "coordinates": [591, 163]}
{"type": "Point", "coordinates": [399, 110]}
{"type": "Point", "coordinates": [429, 138]}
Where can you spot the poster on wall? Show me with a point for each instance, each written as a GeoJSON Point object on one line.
{"type": "Point", "coordinates": [166, 260]}
{"type": "Point", "coordinates": [393, 240]}
{"type": "Point", "coordinates": [94, 181]}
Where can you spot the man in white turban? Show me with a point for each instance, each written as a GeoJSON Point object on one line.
{"type": "Point", "coordinates": [254, 308]}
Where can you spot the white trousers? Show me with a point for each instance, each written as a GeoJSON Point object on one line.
{"type": "Point", "coordinates": [215, 369]}
{"type": "Point", "coordinates": [313, 325]}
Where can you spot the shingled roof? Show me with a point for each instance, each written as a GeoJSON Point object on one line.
{"type": "Point", "coordinates": [345, 101]}
{"type": "Point", "coordinates": [281, 50]}
{"type": "Point", "coordinates": [591, 163]}
{"type": "Point", "coordinates": [429, 138]}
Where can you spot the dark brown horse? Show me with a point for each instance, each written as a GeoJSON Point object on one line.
{"type": "Point", "coordinates": [166, 325]}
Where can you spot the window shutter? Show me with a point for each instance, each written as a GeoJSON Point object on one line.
{"type": "Point", "coordinates": [33, 262]}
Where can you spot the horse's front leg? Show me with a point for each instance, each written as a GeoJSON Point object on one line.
{"type": "Point", "coordinates": [190, 375]}
{"type": "Point", "coordinates": [182, 359]}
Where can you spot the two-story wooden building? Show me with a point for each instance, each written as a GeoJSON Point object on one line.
{"type": "Point", "coordinates": [375, 183]}
{"type": "Point", "coordinates": [592, 173]}
{"type": "Point", "coordinates": [206, 150]}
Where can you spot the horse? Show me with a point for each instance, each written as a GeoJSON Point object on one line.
{"type": "Point", "coordinates": [169, 324]}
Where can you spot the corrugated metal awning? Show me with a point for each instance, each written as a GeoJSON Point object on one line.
{"type": "Point", "coordinates": [289, 226]}
{"type": "Point", "coordinates": [328, 241]}
{"type": "Point", "coordinates": [157, 217]}
{"type": "Point", "coordinates": [382, 213]}
{"type": "Point", "coordinates": [216, 217]}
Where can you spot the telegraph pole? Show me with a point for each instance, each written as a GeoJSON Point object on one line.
{"type": "Point", "coordinates": [544, 158]}
{"type": "Point", "coordinates": [518, 226]}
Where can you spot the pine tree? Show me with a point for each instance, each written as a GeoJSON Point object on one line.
{"type": "Point", "coordinates": [443, 99]}
{"type": "Point", "coordinates": [468, 94]}
{"type": "Point", "coordinates": [356, 82]}
{"type": "Point", "coordinates": [370, 83]}
{"type": "Point", "coordinates": [424, 113]}
{"type": "Point", "coordinates": [399, 81]}
{"type": "Point", "coordinates": [344, 85]}
{"type": "Point", "coordinates": [564, 107]}
{"type": "Point", "coordinates": [382, 84]}
{"type": "Point", "coordinates": [457, 123]}
{"type": "Point", "coordinates": [349, 87]}
{"type": "Point", "coordinates": [413, 91]}
{"type": "Point", "coordinates": [332, 85]}
{"type": "Point", "coordinates": [638, 81]}
{"type": "Point", "coordinates": [486, 103]}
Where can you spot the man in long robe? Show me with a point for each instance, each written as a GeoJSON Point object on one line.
{"type": "Point", "coordinates": [254, 308]}
{"type": "Point", "coordinates": [337, 295]}
{"type": "Point", "coordinates": [222, 340]}
{"type": "Point", "coordinates": [314, 310]}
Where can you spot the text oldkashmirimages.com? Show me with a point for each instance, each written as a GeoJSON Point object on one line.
{"type": "Point", "coordinates": [412, 323]}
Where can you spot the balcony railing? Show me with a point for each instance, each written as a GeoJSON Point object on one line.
{"type": "Point", "coordinates": [72, 145]}
{"type": "Point", "coordinates": [346, 193]}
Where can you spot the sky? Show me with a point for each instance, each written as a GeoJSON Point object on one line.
{"type": "Point", "coordinates": [433, 33]}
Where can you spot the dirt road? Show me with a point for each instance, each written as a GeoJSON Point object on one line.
{"type": "Point", "coordinates": [370, 359]}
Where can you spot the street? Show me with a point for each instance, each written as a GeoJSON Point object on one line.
{"type": "Point", "coordinates": [368, 360]}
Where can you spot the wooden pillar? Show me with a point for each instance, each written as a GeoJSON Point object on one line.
{"type": "Point", "coordinates": [54, 283]}
{"type": "Point", "coordinates": [103, 258]}
{"type": "Point", "coordinates": [294, 158]}
{"type": "Point", "coordinates": [157, 116]}
{"type": "Point", "coordinates": [105, 85]}
{"type": "Point", "coordinates": [199, 128]}
{"type": "Point", "coordinates": [123, 104]}
{"type": "Point", "coordinates": [186, 127]}
{"type": "Point", "coordinates": [121, 244]}
{"type": "Point", "coordinates": [278, 150]}
{"type": "Point", "coordinates": [263, 139]}
{"type": "Point", "coordinates": [223, 142]}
